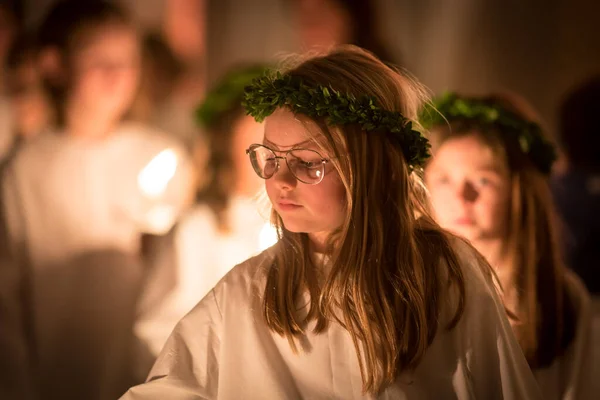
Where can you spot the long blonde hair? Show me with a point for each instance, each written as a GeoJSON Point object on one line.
{"type": "Point", "coordinates": [390, 263]}
{"type": "Point", "coordinates": [546, 317]}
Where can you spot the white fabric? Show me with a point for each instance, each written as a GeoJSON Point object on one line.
{"type": "Point", "coordinates": [74, 217]}
{"type": "Point", "coordinates": [204, 256]}
{"type": "Point", "coordinates": [571, 376]}
{"type": "Point", "coordinates": [223, 350]}
{"type": "Point", "coordinates": [66, 195]}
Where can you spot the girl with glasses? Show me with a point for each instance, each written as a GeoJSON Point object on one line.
{"type": "Point", "coordinates": [364, 296]}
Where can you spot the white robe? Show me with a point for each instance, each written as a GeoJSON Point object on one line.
{"type": "Point", "coordinates": [74, 216]}
{"type": "Point", "coordinates": [204, 256]}
{"type": "Point", "coordinates": [65, 196]}
{"type": "Point", "coordinates": [574, 376]}
{"type": "Point", "coordinates": [223, 350]}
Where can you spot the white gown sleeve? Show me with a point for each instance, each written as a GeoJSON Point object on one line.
{"type": "Point", "coordinates": [495, 362]}
{"type": "Point", "coordinates": [495, 366]}
{"type": "Point", "coordinates": [195, 239]}
{"type": "Point", "coordinates": [188, 366]}
{"type": "Point", "coordinates": [571, 377]}
{"type": "Point", "coordinates": [581, 378]}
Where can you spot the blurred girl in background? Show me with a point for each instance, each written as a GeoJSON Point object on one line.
{"type": "Point", "coordinates": [228, 223]}
{"type": "Point", "coordinates": [77, 198]}
{"type": "Point", "coordinates": [488, 180]}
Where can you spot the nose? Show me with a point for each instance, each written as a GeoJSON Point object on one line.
{"type": "Point", "coordinates": [116, 72]}
{"type": "Point", "coordinates": [283, 178]}
{"type": "Point", "coordinates": [468, 193]}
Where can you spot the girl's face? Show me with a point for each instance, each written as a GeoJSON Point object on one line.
{"type": "Point", "coordinates": [314, 209]}
{"type": "Point", "coordinates": [470, 189]}
{"type": "Point", "coordinates": [106, 72]}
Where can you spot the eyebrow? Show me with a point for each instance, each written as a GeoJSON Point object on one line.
{"type": "Point", "coordinates": [309, 141]}
{"type": "Point", "coordinates": [483, 168]}
{"type": "Point", "coordinates": [489, 168]}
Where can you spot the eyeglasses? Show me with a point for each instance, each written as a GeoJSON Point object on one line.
{"type": "Point", "coordinates": [308, 166]}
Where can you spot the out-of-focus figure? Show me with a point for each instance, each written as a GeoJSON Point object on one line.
{"type": "Point", "coordinates": [29, 109]}
{"type": "Point", "coordinates": [77, 198]}
{"type": "Point", "coordinates": [488, 180]}
{"type": "Point", "coordinates": [227, 225]}
{"type": "Point", "coordinates": [576, 188]}
{"type": "Point", "coordinates": [322, 24]}
{"type": "Point", "coordinates": [11, 16]}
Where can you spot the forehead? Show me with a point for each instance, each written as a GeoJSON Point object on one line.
{"type": "Point", "coordinates": [284, 129]}
{"type": "Point", "coordinates": [466, 152]}
{"type": "Point", "coordinates": [111, 37]}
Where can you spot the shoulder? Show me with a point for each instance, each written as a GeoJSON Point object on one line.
{"type": "Point", "coordinates": [483, 303]}
{"type": "Point", "coordinates": [147, 136]}
{"type": "Point", "coordinates": [579, 300]}
{"type": "Point", "coordinates": [140, 144]}
{"type": "Point", "coordinates": [40, 153]}
{"type": "Point", "coordinates": [477, 273]}
{"type": "Point", "coordinates": [46, 143]}
{"type": "Point", "coordinates": [576, 289]}
{"type": "Point", "coordinates": [245, 283]}
{"type": "Point", "coordinates": [198, 221]}
{"type": "Point", "coordinates": [240, 290]}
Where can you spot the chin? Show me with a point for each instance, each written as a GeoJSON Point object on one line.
{"type": "Point", "coordinates": [469, 233]}
{"type": "Point", "coordinates": [296, 226]}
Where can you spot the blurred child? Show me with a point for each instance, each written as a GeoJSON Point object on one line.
{"type": "Point", "coordinates": [488, 183]}
{"type": "Point", "coordinates": [226, 225]}
{"type": "Point", "coordinates": [77, 198]}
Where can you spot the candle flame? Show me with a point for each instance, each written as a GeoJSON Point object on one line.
{"type": "Point", "coordinates": [157, 174]}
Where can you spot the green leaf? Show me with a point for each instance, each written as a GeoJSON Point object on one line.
{"type": "Point", "coordinates": [267, 93]}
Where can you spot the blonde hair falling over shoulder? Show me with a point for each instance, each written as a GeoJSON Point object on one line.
{"type": "Point", "coordinates": [390, 263]}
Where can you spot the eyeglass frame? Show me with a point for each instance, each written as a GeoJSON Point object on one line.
{"type": "Point", "coordinates": [323, 161]}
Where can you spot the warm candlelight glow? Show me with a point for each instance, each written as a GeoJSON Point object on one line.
{"type": "Point", "coordinates": [267, 236]}
{"type": "Point", "coordinates": [157, 174]}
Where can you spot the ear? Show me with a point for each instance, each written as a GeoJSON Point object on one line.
{"type": "Point", "coordinates": [51, 65]}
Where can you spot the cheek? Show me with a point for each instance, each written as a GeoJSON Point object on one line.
{"type": "Point", "coordinates": [83, 85]}
{"type": "Point", "coordinates": [122, 86]}
{"type": "Point", "coordinates": [441, 200]}
{"type": "Point", "coordinates": [441, 209]}
{"type": "Point", "coordinates": [132, 79]}
{"type": "Point", "coordinates": [494, 207]}
{"type": "Point", "coordinates": [328, 199]}
{"type": "Point", "coordinates": [90, 87]}
{"type": "Point", "coordinates": [271, 189]}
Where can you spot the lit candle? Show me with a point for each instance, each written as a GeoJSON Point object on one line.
{"type": "Point", "coordinates": [157, 174]}
{"type": "Point", "coordinates": [153, 181]}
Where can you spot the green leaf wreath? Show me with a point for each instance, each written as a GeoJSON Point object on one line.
{"type": "Point", "coordinates": [451, 107]}
{"type": "Point", "coordinates": [227, 94]}
{"type": "Point", "coordinates": [270, 92]}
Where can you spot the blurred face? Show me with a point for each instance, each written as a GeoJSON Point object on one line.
{"type": "Point", "coordinates": [470, 189]}
{"type": "Point", "coordinates": [106, 72]}
{"type": "Point", "coordinates": [30, 109]}
{"type": "Point", "coordinates": [322, 23]}
{"type": "Point", "coordinates": [246, 132]}
{"type": "Point", "coordinates": [314, 209]}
